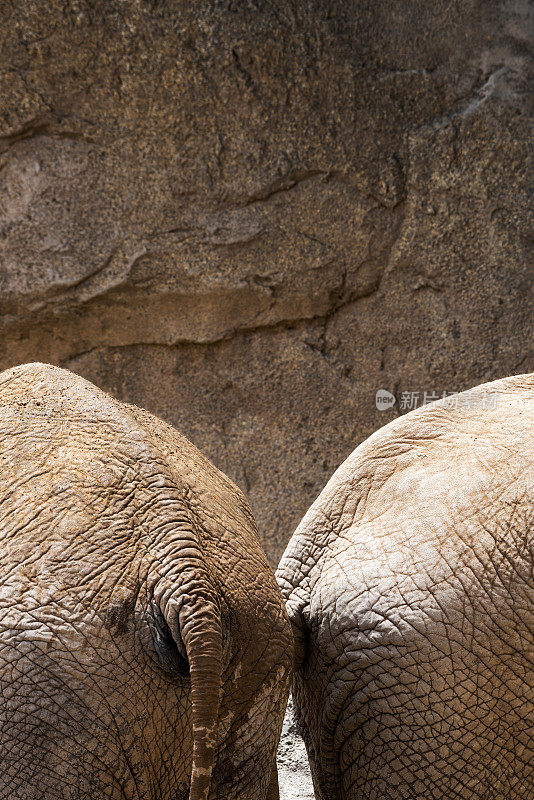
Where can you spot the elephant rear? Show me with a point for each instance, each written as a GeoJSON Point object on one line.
{"type": "Point", "coordinates": [410, 587]}
{"type": "Point", "coordinates": [144, 646]}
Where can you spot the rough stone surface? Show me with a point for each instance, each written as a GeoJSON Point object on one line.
{"type": "Point", "coordinates": [248, 216]}
{"type": "Point", "coordinates": [294, 774]}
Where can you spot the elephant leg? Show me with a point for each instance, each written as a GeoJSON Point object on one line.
{"type": "Point", "coordinates": [273, 792]}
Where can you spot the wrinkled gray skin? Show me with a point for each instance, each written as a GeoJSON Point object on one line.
{"type": "Point", "coordinates": [144, 647]}
{"type": "Point", "coordinates": [410, 587]}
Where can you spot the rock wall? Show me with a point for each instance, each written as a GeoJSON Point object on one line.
{"type": "Point", "coordinates": [249, 216]}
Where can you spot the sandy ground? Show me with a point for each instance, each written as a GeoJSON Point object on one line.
{"type": "Point", "coordinates": [293, 770]}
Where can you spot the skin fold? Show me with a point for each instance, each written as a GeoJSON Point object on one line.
{"type": "Point", "coordinates": [410, 587]}
{"type": "Point", "coordinates": [144, 647]}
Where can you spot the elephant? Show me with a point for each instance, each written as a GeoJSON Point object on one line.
{"type": "Point", "coordinates": [409, 584]}
{"type": "Point", "coordinates": [145, 651]}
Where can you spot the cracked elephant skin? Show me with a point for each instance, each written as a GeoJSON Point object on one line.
{"type": "Point", "coordinates": [410, 587]}
{"type": "Point", "coordinates": [144, 646]}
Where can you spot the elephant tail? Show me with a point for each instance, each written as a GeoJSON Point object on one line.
{"type": "Point", "coordinates": [202, 638]}
{"type": "Point", "coordinates": [191, 606]}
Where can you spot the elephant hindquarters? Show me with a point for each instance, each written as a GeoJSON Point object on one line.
{"type": "Point", "coordinates": [440, 731]}
{"type": "Point", "coordinates": [406, 695]}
